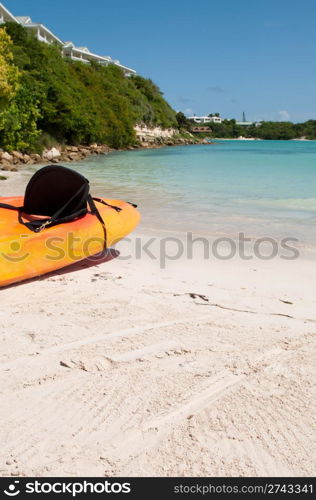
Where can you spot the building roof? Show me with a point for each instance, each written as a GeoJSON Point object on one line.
{"type": "Point", "coordinates": [192, 117]}
{"type": "Point", "coordinates": [43, 28]}
{"type": "Point", "coordinates": [201, 128]}
{"type": "Point", "coordinates": [23, 19]}
{"type": "Point", "coordinates": [7, 12]}
{"type": "Point", "coordinates": [85, 51]}
{"type": "Point", "coordinates": [125, 68]}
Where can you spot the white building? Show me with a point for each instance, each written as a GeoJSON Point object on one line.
{"type": "Point", "coordinates": [6, 16]}
{"type": "Point", "coordinates": [69, 50]}
{"type": "Point", "coordinates": [84, 55]}
{"type": "Point", "coordinates": [244, 124]}
{"type": "Point", "coordinates": [206, 119]}
{"type": "Point", "coordinates": [42, 33]}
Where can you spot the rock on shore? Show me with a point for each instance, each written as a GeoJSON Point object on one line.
{"type": "Point", "coordinates": [147, 139]}
{"type": "Point", "coordinates": [151, 137]}
{"type": "Point", "coordinates": [11, 161]}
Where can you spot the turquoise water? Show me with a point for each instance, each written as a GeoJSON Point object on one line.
{"type": "Point", "coordinates": [262, 188]}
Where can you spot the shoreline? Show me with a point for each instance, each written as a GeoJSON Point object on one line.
{"type": "Point", "coordinates": [11, 162]}
{"type": "Point", "coordinates": [257, 139]}
{"type": "Point", "coordinates": [16, 182]}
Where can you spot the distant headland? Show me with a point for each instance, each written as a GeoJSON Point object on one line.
{"type": "Point", "coordinates": [213, 125]}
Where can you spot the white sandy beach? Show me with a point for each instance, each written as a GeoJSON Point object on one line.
{"type": "Point", "coordinates": [204, 368]}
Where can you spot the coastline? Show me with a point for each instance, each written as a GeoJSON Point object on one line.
{"type": "Point", "coordinates": [299, 139]}
{"type": "Point", "coordinates": [253, 222]}
{"type": "Point", "coordinates": [12, 161]}
{"type": "Point", "coordinates": [16, 181]}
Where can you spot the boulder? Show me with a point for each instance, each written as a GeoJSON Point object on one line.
{"type": "Point", "coordinates": [51, 154]}
{"type": "Point", "coordinates": [6, 156]}
{"type": "Point", "coordinates": [64, 157]}
{"type": "Point", "coordinates": [74, 156]}
{"type": "Point", "coordinates": [36, 158]}
{"type": "Point", "coordinates": [26, 158]}
{"type": "Point", "coordinates": [17, 155]}
{"type": "Point", "coordinates": [6, 163]}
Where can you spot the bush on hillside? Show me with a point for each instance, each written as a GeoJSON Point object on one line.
{"type": "Point", "coordinates": [73, 102]}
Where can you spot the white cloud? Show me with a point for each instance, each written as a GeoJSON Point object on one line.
{"type": "Point", "coordinates": [188, 111]}
{"type": "Point", "coordinates": [284, 116]}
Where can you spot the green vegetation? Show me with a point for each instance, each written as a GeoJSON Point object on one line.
{"type": "Point", "coordinates": [227, 129]}
{"type": "Point", "coordinates": [46, 99]}
{"type": "Point", "coordinates": [272, 131]}
{"type": "Point", "coordinates": [9, 74]}
{"type": "Point", "coordinates": [267, 130]}
{"type": "Point", "coordinates": [183, 121]}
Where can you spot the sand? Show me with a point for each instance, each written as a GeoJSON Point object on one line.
{"type": "Point", "coordinates": [121, 368]}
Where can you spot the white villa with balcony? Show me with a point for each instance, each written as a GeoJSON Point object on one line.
{"type": "Point", "coordinates": [42, 33]}
{"type": "Point", "coordinates": [84, 55]}
{"type": "Point", "coordinates": [68, 49]}
{"type": "Point", "coordinates": [6, 16]}
{"type": "Point", "coordinates": [206, 119]}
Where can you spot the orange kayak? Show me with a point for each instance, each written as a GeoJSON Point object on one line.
{"type": "Point", "coordinates": [25, 254]}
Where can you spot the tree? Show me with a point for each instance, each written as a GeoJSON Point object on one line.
{"type": "Point", "coordinates": [19, 121]}
{"type": "Point", "coordinates": [19, 111]}
{"type": "Point", "coordinates": [276, 131]}
{"type": "Point", "coordinates": [183, 121]}
{"type": "Point", "coordinates": [9, 74]}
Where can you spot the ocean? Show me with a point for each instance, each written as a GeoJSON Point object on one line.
{"type": "Point", "coordinates": [260, 188]}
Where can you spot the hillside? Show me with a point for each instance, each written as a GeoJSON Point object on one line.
{"type": "Point", "coordinates": [46, 99]}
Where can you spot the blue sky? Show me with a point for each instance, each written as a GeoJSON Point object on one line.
{"type": "Point", "coordinates": [207, 56]}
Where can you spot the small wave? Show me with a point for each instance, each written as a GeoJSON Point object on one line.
{"type": "Point", "coordinates": [308, 204]}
